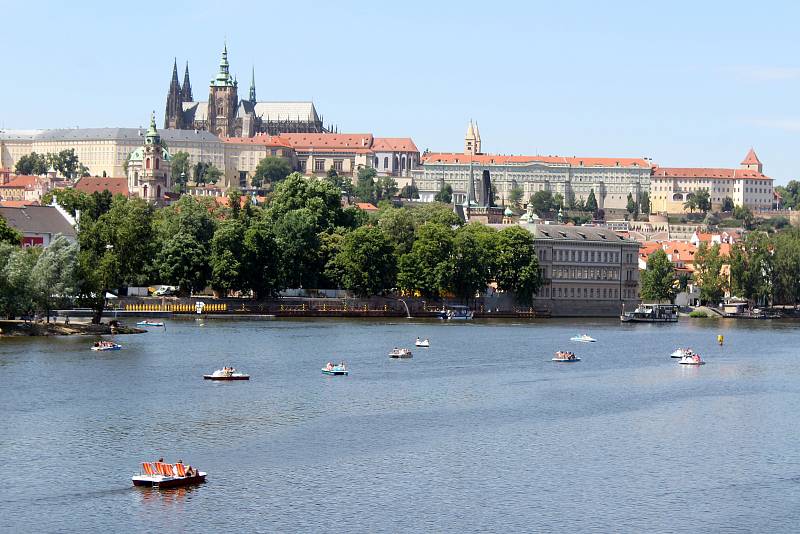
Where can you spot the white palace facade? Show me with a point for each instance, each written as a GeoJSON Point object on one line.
{"type": "Point", "coordinates": [573, 177]}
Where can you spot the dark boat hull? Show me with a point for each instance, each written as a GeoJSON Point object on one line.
{"type": "Point", "coordinates": [225, 378]}
{"type": "Point", "coordinates": [171, 483]}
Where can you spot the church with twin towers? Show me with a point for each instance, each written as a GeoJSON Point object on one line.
{"type": "Point", "coordinates": [225, 115]}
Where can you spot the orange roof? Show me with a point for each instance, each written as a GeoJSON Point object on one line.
{"type": "Point", "coordinates": [394, 144]}
{"type": "Point", "coordinates": [260, 139]}
{"type": "Point", "coordinates": [700, 172]}
{"type": "Point", "coordinates": [21, 181]}
{"type": "Point", "coordinates": [751, 158]}
{"type": "Point", "coordinates": [326, 140]}
{"type": "Point", "coordinates": [91, 184]}
{"type": "Point", "coordinates": [17, 203]}
{"type": "Point", "coordinates": [704, 237]}
{"type": "Point", "coordinates": [498, 159]}
{"type": "Point", "coordinates": [366, 206]}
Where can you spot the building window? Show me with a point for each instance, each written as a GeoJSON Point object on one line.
{"type": "Point", "coordinates": [337, 165]}
{"type": "Point", "coordinates": [147, 163]}
{"type": "Point", "coordinates": [386, 163]}
{"type": "Point", "coordinates": [156, 163]}
{"type": "Point", "coordinates": [319, 165]}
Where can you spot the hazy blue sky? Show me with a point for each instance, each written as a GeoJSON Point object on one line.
{"type": "Point", "coordinates": [685, 83]}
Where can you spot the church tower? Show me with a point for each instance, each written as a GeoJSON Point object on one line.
{"type": "Point", "coordinates": [253, 88]}
{"type": "Point", "coordinates": [149, 167]}
{"type": "Point", "coordinates": [223, 100]}
{"type": "Point", "coordinates": [477, 139]}
{"type": "Point", "coordinates": [186, 90]}
{"type": "Point", "coordinates": [173, 116]}
{"type": "Point", "coordinates": [752, 163]}
{"type": "Point", "coordinates": [471, 141]}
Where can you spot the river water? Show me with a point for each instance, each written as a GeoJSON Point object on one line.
{"type": "Point", "coordinates": [481, 432]}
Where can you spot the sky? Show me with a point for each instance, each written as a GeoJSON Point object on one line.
{"type": "Point", "coordinates": [685, 83]}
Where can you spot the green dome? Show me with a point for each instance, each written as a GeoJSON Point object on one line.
{"type": "Point", "coordinates": [508, 212]}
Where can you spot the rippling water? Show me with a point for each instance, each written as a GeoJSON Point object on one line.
{"type": "Point", "coordinates": [481, 432]}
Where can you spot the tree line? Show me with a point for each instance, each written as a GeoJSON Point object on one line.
{"type": "Point", "coordinates": [65, 162]}
{"type": "Point", "coordinates": [763, 268]}
{"type": "Point", "coordinates": [301, 237]}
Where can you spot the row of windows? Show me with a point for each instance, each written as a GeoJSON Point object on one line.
{"type": "Point", "coordinates": [591, 293]}
{"type": "Point", "coordinates": [587, 256]}
{"type": "Point", "coordinates": [585, 273]}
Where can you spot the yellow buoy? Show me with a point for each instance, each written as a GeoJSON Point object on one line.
{"type": "Point", "coordinates": [720, 339]}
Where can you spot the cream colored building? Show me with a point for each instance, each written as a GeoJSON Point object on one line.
{"type": "Point", "coordinates": [747, 186]}
{"type": "Point", "coordinates": [104, 150]}
{"type": "Point", "coordinates": [611, 179]}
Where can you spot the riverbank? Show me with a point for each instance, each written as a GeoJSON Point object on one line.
{"type": "Point", "coordinates": [28, 328]}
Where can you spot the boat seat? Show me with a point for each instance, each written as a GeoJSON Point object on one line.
{"type": "Point", "coordinates": [180, 469]}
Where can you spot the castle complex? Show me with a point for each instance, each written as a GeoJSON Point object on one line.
{"type": "Point", "coordinates": [226, 116]}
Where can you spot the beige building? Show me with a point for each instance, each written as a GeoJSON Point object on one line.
{"type": "Point", "coordinates": [588, 271]}
{"type": "Point", "coordinates": [611, 179]}
{"type": "Point", "coordinates": [104, 150]}
{"type": "Point", "coordinates": [670, 187]}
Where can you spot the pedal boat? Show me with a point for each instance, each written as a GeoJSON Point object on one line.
{"type": "Point", "coordinates": [102, 346]}
{"type": "Point", "coordinates": [583, 338]}
{"type": "Point", "coordinates": [400, 353]}
{"type": "Point", "coordinates": [149, 323]}
{"type": "Point", "coordinates": [226, 373]}
{"type": "Point", "coordinates": [565, 357]}
{"type": "Point", "coordinates": [422, 343]}
{"type": "Point", "coordinates": [162, 476]}
{"type": "Point", "coordinates": [335, 370]}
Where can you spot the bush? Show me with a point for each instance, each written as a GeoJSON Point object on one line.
{"type": "Point", "coordinates": [699, 314]}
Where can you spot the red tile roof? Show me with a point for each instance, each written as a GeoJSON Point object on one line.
{"type": "Point", "coordinates": [21, 181]}
{"type": "Point", "coordinates": [394, 144]}
{"type": "Point", "coordinates": [319, 141]}
{"type": "Point", "coordinates": [366, 206]}
{"type": "Point", "coordinates": [751, 158]}
{"type": "Point", "coordinates": [91, 184]}
{"type": "Point", "coordinates": [700, 172]}
{"type": "Point", "coordinates": [260, 139]}
{"type": "Point", "coordinates": [498, 159]}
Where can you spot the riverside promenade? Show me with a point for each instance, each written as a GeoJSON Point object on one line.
{"type": "Point", "coordinates": [299, 307]}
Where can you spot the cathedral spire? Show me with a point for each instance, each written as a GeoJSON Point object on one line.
{"type": "Point", "coordinates": [253, 87]}
{"type": "Point", "coordinates": [186, 89]}
{"type": "Point", "coordinates": [173, 114]}
{"type": "Point", "coordinates": [223, 76]}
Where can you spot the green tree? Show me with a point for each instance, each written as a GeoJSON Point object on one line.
{"type": "Point", "coordinates": [115, 250]}
{"type": "Point", "coordinates": [591, 202]}
{"type": "Point", "coordinates": [708, 273]}
{"type": "Point", "coordinates": [631, 205]}
{"type": "Point", "coordinates": [70, 199]}
{"type": "Point", "coordinates": [8, 234]}
{"type": "Point", "coordinates": [445, 194]}
{"type": "Point", "coordinates": [184, 261]}
{"type": "Point", "coordinates": [743, 213]}
{"type": "Point", "coordinates": [690, 204]}
{"type": "Point", "coordinates": [435, 212]}
{"type": "Point", "coordinates": [752, 268]}
{"type": "Point", "coordinates": [385, 188]}
{"type": "Point", "coordinates": [645, 203]}
{"type": "Point", "coordinates": [53, 278]}
{"type": "Point", "coordinates": [703, 199]}
{"type": "Point", "coordinates": [32, 164]}
{"type": "Point", "coordinates": [786, 266]}
{"type": "Point", "coordinates": [467, 269]}
{"type": "Point", "coordinates": [517, 266]}
{"type": "Point", "coordinates": [658, 280]}
{"type": "Point", "coordinates": [19, 292]}
{"type": "Point", "coordinates": [319, 197]}
{"type": "Point", "coordinates": [180, 167]}
{"type": "Point", "coordinates": [543, 203]}
{"type": "Point", "coordinates": [727, 204]}
{"type": "Point", "coordinates": [298, 239]}
{"type": "Point", "coordinates": [421, 269]}
{"type": "Point", "coordinates": [262, 271]}
{"type": "Point", "coordinates": [398, 226]}
{"type": "Point", "coordinates": [365, 189]}
{"type": "Point", "coordinates": [226, 257]}
{"type": "Point", "coordinates": [366, 261]}
{"type": "Point", "coordinates": [409, 192]}
{"type": "Point", "coordinates": [271, 170]}
{"type": "Point", "coordinates": [515, 196]}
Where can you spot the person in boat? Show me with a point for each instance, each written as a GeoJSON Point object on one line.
{"type": "Point", "coordinates": [329, 366]}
